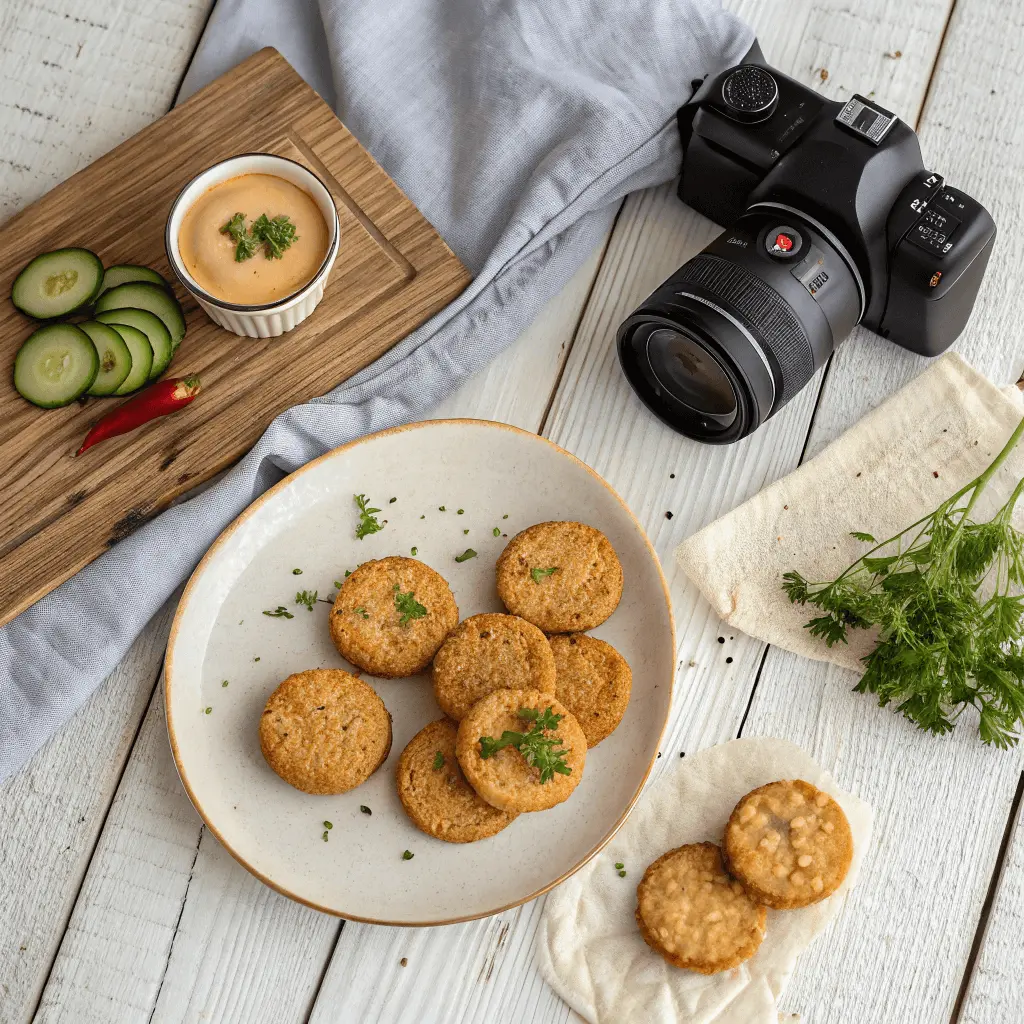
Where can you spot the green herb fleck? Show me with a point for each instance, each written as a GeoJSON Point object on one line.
{"type": "Point", "coordinates": [306, 597]}
{"type": "Point", "coordinates": [505, 516]}
{"type": "Point", "coordinates": [538, 574]}
{"type": "Point", "coordinates": [423, 517]}
{"type": "Point", "coordinates": [496, 531]}
{"type": "Point", "coordinates": [328, 824]}
{"type": "Point", "coordinates": [622, 874]}
{"type": "Point", "coordinates": [538, 750]}
{"type": "Point", "coordinates": [365, 809]}
{"type": "Point", "coordinates": [619, 866]}
{"type": "Point", "coordinates": [337, 585]}
{"type": "Point", "coordinates": [361, 611]}
{"type": "Point", "coordinates": [866, 537]}
{"type": "Point", "coordinates": [245, 244]}
{"type": "Point", "coordinates": [466, 555]}
{"type": "Point", "coordinates": [460, 512]}
{"type": "Point", "coordinates": [414, 550]}
{"type": "Point", "coordinates": [465, 531]}
{"type": "Point", "coordinates": [225, 683]}
{"type": "Point", "coordinates": [348, 572]}
{"type": "Point", "coordinates": [280, 612]}
{"type": "Point", "coordinates": [408, 607]}
{"type": "Point", "coordinates": [438, 760]}
{"type": "Point", "coordinates": [391, 501]}
{"type": "Point", "coordinates": [367, 518]}
{"type": "Point", "coordinates": [275, 235]}
{"type": "Point", "coordinates": [296, 572]}
{"type": "Point", "coordinates": [256, 658]}
{"type": "Point", "coordinates": [207, 711]}
{"type": "Point", "coordinates": [406, 855]}
{"type": "Point", "coordinates": [441, 508]}
{"type": "Point", "coordinates": [325, 835]}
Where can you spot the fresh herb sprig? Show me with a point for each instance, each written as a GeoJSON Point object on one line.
{"type": "Point", "coordinates": [945, 597]}
{"type": "Point", "coordinates": [245, 244]}
{"type": "Point", "coordinates": [306, 597]}
{"type": "Point", "coordinates": [408, 607]}
{"type": "Point", "coordinates": [538, 750]}
{"type": "Point", "coordinates": [280, 612]}
{"type": "Point", "coordinates": [368, 522]}
{"type": "Point", "coordinates": [275, 235]}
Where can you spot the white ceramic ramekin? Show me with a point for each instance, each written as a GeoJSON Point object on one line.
{"type": "Point", "coordinates": [273, 318]}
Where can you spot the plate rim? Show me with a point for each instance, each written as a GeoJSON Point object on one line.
{"type": "Point", "coordinates": [249, 511]}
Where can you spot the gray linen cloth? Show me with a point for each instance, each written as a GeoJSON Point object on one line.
{"type": "Point", "coordinates": [516, 126]}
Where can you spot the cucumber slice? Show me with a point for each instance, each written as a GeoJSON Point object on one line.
{"type": "Point", "coordinates": [152, 326]}
{"type": "Point", "coordinates": [124, 273]}
{"type": "Point", "coordinates": [115, 358]}
{"type": "Point", "coordinates": [149, 296]}
{"type": "Point", "coordinates": [57, 283]}
{"type": "Point", "coordinates": [142, 358]}
{"type": "Point", "coordinates": [55, 365]}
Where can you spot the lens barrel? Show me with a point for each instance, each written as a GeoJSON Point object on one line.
{"type": "Point", "coordinates": [739, 329]}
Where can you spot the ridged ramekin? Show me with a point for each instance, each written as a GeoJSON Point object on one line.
{"type": "Point", "coordinates": [273, 318]}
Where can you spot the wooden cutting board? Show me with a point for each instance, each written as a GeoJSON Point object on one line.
{"type": "Point", "coordinates": [392, 273]}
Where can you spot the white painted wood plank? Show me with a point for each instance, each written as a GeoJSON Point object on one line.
{"type": "Point", "coordinates": [51, 814]}
{"type": "Point", "coordinates": [76, 78]}
{"type": "Point", "coordinates": [996, 990]}
{"type": "Point", "coordinates": [241, 951]}
{"type": "Point", "coordinates": [900, 950]}
{"type": "Point", "coordinates": [596, 416]}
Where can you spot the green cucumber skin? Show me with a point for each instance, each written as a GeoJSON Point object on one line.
{"type": "Point", "coordinates": [127, 273]}
{"type": "Point", "coordinates": [152, 326]}
{"type": "Point", "coordinates": [148, 296]}
{"type": "Point", "coordinates": [84, 303]}
{"type": "Point", "coordinates": [103, 337]}
{"type": "Point", "coordinates": [138, 344]}
{"type": "Point", "coordinates": [31, 341]}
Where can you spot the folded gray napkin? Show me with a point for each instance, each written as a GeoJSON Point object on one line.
{"type": "Point", "coordinates": [516, 127]}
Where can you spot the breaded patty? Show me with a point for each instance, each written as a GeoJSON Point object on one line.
{"type": "Point", "coordinates": [789, 843]}
{"type": "Point", "coordinates": [435, 793]}
{"type": "Point", "coordinates": [593, 681]}
{"type": "Point", "coordinates": [491, 652]}
{"type": "Point", "coordinates": [504, 779]}
{"type": "Point", "coordinates": [563, 577]}
{"type": "Point", "coordinates": [391, 615]}
{"type": "Point", "coordinates": [325, 731]}
{"type": "Point", "coordinates": [692, 913]}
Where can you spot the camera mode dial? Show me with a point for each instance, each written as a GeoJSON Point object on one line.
{"type": "Point", "coordinates": [750, 94]}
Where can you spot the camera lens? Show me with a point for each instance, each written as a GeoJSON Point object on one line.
{"type": "Point", "coordinates": [738, 330]}
{"type": "Point", "coordinates": [691, 374]}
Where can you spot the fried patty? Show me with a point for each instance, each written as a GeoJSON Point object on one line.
{"type": "Point", "coordinates": [692, 913]}
{"type": "Point", "coordinates": [325, 731]}
{"type": "Point", "coordinates": [491, 652]}
{"type": "Point", "coordinates": [505, 779]}
{"type": "Point", "coordinates": [789, 843]}
{"type": "Point", "coordinates": [391, 615]}
{"type": "Point", "coordinates": [562, 576]}
{"type": "Point", "coordinates": [435, 793]}
{"type": "Point", "coordinates": [593, 681]}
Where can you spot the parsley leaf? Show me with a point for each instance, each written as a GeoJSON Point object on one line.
{"type": "Point", "coordinates": [539, 751]}
{"type": "Point", "coordinates": [408, 607]}
{"type": "Point", "coordinates": [466, 555]}
{"type": "Point", "coordinates": [367, 517]}
{"type": "Point", "coordinates": [280, 612]}
{"type": "Point", "coordinates": [275, 235]}
{"type": "Point", "coordinates": [245, 244]}
{"type": "Point", "coordinates": [945, 598]}
{"type": "Point", "coordinates": [361, 611]}
{"type": "Point", "coordinates": [306, 597]}
{"type": "Point", "coordinates": [538, 574]}
{"type": "Point", "coordinates": [438, 760]}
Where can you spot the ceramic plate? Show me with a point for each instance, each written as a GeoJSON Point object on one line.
{"type": "Point", "coordinates": [501, 477]}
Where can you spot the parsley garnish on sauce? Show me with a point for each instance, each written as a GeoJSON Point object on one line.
{"type": "Point", "coordinates": [408, 607]}
{"type": "Point", "coordinates": [245, 244]}
{"type": "Point", "coordinates": [367, 517]}
{"type": "Point", "coordinates": [538, 574]}
{"type": "Point", "coordinates": [275, 235]}
{"type": "Point", "coordinates": [538, 750]}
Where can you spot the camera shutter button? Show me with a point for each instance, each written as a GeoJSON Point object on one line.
{"type": "Point", "coordinates": [783, 242]}
{"type": "Point", "coordinates": [750, 94]}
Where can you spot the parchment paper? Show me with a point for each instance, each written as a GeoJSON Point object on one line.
{"type": "Point", "coordinates": [589, 948]}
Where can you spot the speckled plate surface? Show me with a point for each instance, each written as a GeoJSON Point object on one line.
{"type": "Point", "coordinates": [308, 522]}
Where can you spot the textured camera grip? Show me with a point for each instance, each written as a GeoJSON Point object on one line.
{"type": "Point", "coordinates": [762, 310]}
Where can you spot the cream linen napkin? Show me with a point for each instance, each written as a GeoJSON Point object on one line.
{"type": "Point", "coordinates": [892, 467]}
{"type": "Point", "coordinates": [589, 949]}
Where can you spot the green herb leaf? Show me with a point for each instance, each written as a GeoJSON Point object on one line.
{"type": "Point", "coordinates": [280, 612]}
{"type": "Point", "coordinates": [206, 711]}
{"type": "Point", "coordinates": [461, 512]}
{"type": "Point", "coordinates": [367, 519]}
{"type": "Point", "coordinates": [306, 597]}
{"type": "Point", "coordinates": [296, 572]}
{"type": "Point", "coordinates": [325, 835]}
{"type": "Point", "coordinates": [224, 683]}
{"type": "Point", "coordinates": [337, 585]}
{"type": "Point", "coordinates": [496, 531]}
{"type": "Point", "coordinates": [622, 874]}
{"type": "Point", "coordinates": [438, 761]}
{"type": "Point", "coordinates": [365, 809]}
{"type": "Point", "coordinates": [538, 574]}
{"type": "Point", "coordinates": [414, 551]}
{"type": "Point", "coordinates": [619, 866]}
{"type": "Point", "coordinates": [539, 751]}
{"type": "Point", "coordinates": [328, 824]}
{"type": "Point", "coordinates": [406, 855]}
{"type": "Point", "coordinates": [866, 537]}
{"type": "Point", "coordinates": [408, 607]}
{"type": "Point", "coordinates": [275, 235]}
{"type": "Point", "coordinates": [361, 611]}
{"type": "Point", "coordinates": [245, 244]}
{"type": "Point", "coordinates": [466, 555]}
{"type": "Point", "coordinates": [944, 596]}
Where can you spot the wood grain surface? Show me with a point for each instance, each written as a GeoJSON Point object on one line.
{"type": "Point", "coordinates": [392, 272]}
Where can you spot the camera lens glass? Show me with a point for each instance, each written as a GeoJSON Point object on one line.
{"type": "Point", "coordinates": [691, 374]}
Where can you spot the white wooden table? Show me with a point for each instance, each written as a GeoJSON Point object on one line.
{"type": "Point", "coordinates": [116, 906]}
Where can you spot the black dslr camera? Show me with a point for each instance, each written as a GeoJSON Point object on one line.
{"type": "Point", "coordinates": [833, 221]}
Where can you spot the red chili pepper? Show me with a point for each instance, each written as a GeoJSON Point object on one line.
{"type": "Point", "coordinates": [166, 396]}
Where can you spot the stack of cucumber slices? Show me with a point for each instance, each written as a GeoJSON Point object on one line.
{"type": "Point", "coordinates": [135, 327]}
